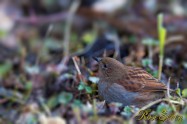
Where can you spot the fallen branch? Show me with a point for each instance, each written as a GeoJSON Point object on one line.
{"type": "Point", "coordinates": [41, 20]}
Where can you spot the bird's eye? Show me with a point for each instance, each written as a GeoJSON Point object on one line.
{"type": "Point", "coordinates": [104, 66]}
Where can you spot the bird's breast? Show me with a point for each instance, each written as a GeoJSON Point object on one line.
{"type": "Point", "coordinates": [115, 93]}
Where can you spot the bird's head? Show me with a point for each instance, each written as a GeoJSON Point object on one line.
{"type": "Point", "coordinates": [109, 67]}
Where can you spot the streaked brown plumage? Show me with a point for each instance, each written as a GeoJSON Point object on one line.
{"type": "Point", "coordinates": [128, 85]}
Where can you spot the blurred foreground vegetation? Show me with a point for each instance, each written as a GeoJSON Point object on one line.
{"type": "Point", "coordinates": [48, 76]}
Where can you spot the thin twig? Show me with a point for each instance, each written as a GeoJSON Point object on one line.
{"type": "Point", "coordinates": [50, 28]}
{"type": "Point", "coordinates": [44, 106]}
{"type": "Point", "coordinates": [68, 25]}
{"type": "Point", "coordinates": [95, 109]}
{"type": "Point", "coordinates": [168, 95]}
{"type": "Point", "coordinates": [76, 65]}
{"type": "Point", "coordinates": [79, 74]}
{"type": "Point", "coordinates": [174, 38]}
{"type": "Point", "coordinates": [104, 53]}
{"type": "Point", "coordinates": [168, 87]}
{"type": "Point", "coordinates": [160, 66]}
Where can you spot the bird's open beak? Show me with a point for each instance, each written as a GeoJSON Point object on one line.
{"type": "Point", "coordinates": [97, 59]}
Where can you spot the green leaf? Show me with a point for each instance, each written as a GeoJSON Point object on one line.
{"type": "Point", "coordinates": [31, 119]}
{"type": "Point", "coordinates": [168, 62]}
{"type": "Point", "coordinates": [28, 86]}
{"type": "Point", "coordinates": [127, 111]}
{"type": "Point", "coordinates": [13, 95]}
{"type": "Point", "coordinates": [5, 68]}
{"type": "Point", "coordinates": [184, 92]}
{"type": "Point", "coordinates": [2, 33]}
{"type": "Point", "coordinates": [89, 37]}
{"type": "Point", "coordinates": [32, 69]}
{"type": "Point", "coordinates": [160, 21]}
{"type": "Point", "coordinates": [178, 91]}
{"type": "Point", "coordinates": [94, 79]}
{"type": "Point", "coordinates": [65, 97]}
{"type": "Point", "coordinates": [81, 86]}
{"type": "Point", "coordinates": [132, 39]}
{"type": "Point", "coordinates": [52, 44]}
{"type": "Point", "coordinates": [150, 42]}
{"type": "Point", "coordinates": [88, 89]}
{"type": "Point", "coordinates": [163, 107]}
{"type": "Point", "coordinates": [162, 38]}
{"type": "Point", "coordinates": [77, 103]}
{"type": "Point", "coordinates": [146, 62]}
{"type": "Point", "coordinates": [74, 37]}
{"type": "Point", "coordinates": [52, 102]}
{"type": "Point", "coordinates": [155, 73]}
{"type": "Point", "coordinates": [162, 33]}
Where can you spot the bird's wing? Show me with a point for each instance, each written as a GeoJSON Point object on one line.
{"type": "Point", "coordinates": [137, 79]}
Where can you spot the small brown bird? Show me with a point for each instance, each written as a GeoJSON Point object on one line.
{"type": "Point", "coordinates": [127, 85]}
